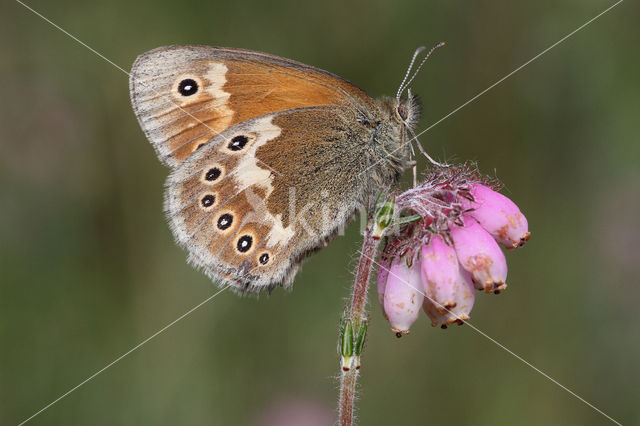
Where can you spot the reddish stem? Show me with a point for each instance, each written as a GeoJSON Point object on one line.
{"type": "Point", "coordinates": [357, 314]}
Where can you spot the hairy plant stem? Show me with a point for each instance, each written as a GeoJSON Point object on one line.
{"type": "Point", "coordinates": [357, 315]}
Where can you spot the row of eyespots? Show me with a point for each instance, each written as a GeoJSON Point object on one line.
{"type": "Point", "coordinates": [245, 242]}
{"type": "Point", "coordinates": [225, 220]}
{"type": "Point", "coordinates": [243, 245]}
{"type": "Point", "coordinates": [216, 171]}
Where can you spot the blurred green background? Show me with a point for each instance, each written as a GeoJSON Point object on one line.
{"type": "Point", "coordinates": [88, 267]}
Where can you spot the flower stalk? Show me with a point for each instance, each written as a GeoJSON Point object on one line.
{"type": "Point", "coordinates": [353, 327]}
{"type": "Point", "coordinates": [442, 242]}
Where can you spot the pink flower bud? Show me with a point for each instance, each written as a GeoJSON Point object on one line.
{"type": "Point", "coordinates": [480, 255]}
{"type": "Point", "coordinates": [499, 216]}
{"type": "Point", "coordinates": [440, 273]}
{"type": "Point", "coordinates": [464, 296]}
{"type": "Point", "coordinates": [403, 295]}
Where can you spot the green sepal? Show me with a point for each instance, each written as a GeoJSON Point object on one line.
{"type": "Point", "coordinates": [408, 219]}
{"type": "Point", "coordinates": [346, 347]}
{"type": "Point", "coordinates": [384, 216]}
{"type": "Point", "coordinates": [360, 339]}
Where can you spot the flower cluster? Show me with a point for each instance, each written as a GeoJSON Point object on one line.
{"type": "Point", "coordinates": [436, 262]}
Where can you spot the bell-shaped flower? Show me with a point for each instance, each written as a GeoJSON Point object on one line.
{"type": "Point", "coordinates": [403, 295]}
{"type": "Point", "coordinates": [498, 215]}
{"type": "Point", "coordinates": [440, 273]}
{"type": "Point", "coordinates": [448, 229]}
{"type": "Point", "coordinates": [479, 254]}
{"type": "Point", "coordinates": [463, 297]}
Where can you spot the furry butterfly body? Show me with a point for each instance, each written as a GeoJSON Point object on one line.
{"type": "Point", "coordinates": [269, 157]}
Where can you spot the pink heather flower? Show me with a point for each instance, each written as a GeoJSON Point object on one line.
{"type": "Point", "coordinates": [448, 287]}
{"type": "Point", "coordinates": [498, 215]}
{"type": "Point", "coordinates": [464, 297]}
{"type": "Point", "coordinates": [479, 254]}
{"type": "Point", "coordinates": [440, 273]}
{"type": "Point", "coordinates": [453, 220]}
{"type": "Point", "coordinates": [402, 296]}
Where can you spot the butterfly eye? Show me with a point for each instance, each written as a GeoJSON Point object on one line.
{"type": "Point", "coordinates": [237, 143]}
{"type": "Point", "coordinates": [402, 112]}
{"type": "Point", "coordinates": [264, 258]}
{"type": "Point", "coordinates": [208, 200]}
{"type": "Point", "coordinates": [225, 221]}
{"type": "Point", "coordinates": [244, 243]}
{"type": "Point", "coordinates": [188, 87]}
{"type": "Point", "coordinates": [212, 174]}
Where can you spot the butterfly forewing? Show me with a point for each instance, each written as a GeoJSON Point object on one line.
{"type": "Point", "coordinates": [185, 95]}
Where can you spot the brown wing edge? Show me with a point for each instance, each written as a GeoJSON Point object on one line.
{"type": "Point", "coordinates": [245, 287]}
{"type": "Point", "coordinates": [164, 159]}
{"type": "Point", "coordinates": [243, 54]}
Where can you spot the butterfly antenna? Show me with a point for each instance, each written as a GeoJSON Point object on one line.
{"type": "Point", "coordinates": [413, 60]}
{"type": "Point", "coordinates": [415, 138]}
{"type": "Point", "coordinates": [433, 49]}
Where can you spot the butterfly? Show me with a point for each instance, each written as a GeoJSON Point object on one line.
{"type": "Point", "coordinates": [270, 158]}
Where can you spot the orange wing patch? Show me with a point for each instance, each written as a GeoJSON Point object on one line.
{"type": "Point", "coordinates": [185, 95]}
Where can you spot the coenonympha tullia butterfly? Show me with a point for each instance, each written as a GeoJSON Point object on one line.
{"type": "Point", "coordinates": [269, 157]}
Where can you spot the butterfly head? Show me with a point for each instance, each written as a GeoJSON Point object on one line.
{"type": "Point", "coordinates": [407, 111]}
{"type": "Point", "coordinates": [392, 135]}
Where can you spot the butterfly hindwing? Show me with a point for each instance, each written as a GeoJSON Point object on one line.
{"type": "Point", "coordinates": [248, 211]}
{"type": "Point", "coordinates": [185, 95]}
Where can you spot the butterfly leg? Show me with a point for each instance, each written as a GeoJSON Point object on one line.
{"type": "Point", "coordinates": [434, 162]}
